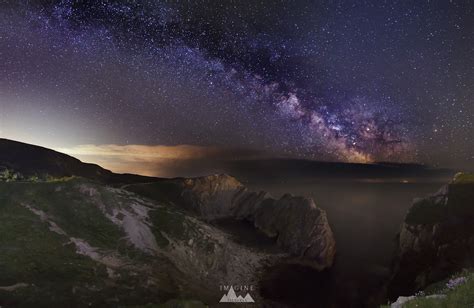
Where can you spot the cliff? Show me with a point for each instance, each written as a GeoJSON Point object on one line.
{"type": "Point", "coordinates": [436, 238]}
{"type": "Point", "coordinates": [298, 226]}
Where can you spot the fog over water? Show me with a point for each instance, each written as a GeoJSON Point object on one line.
{"type": "Point", "coordinates": [365, 218]}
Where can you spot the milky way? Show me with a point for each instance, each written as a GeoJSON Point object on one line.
{"type": "Point", "coordinates": [331, 81]}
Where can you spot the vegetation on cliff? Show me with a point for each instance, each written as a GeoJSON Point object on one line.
{"type": "Point", "coordinates": [436, 239]}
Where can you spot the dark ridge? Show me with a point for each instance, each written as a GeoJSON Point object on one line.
{"type": "Point", "coordinates": [287, 169]}
{"type": "Point", "coordinates": [35, 160]}
{"type": "Point", "coordinates": [32, 160]}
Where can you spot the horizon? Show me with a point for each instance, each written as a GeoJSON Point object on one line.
{"type": "Point", "coordinates": [162, 162]}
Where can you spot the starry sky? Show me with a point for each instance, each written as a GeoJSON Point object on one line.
{"type": "Point", "coordinates": [350, 81]}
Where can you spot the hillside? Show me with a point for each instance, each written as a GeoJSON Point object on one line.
{"type": "Point", "coordinates": [35, 161]}
{"type": "Point", "coordinates": [69, 238]}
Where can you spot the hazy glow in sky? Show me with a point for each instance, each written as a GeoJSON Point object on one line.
{"type": "Point", "coordinates": [320, 80]}
{"type": "Point", "coordinates": [164, 161]}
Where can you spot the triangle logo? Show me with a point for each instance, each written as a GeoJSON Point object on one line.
{"type": "Point", "coordinates": [231, 297]}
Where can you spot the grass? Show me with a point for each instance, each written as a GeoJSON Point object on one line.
{"type": "Point", "coordinates": [464, 178]}
{"type": "Point", "coordinates": [172, 223]}
{"type": "Point", "coordinates": [458, 297]}
{"type": "Point", "coordinates": [30, 253]}
{"type": "Point", "coordinates": [462, 296]}
{"type": "Point", "coordinates": [56, 275]}
{"type": "Point", "coordinates": [75, 213]}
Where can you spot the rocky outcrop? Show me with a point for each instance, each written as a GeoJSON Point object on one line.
{"type": "Point", "coordinates": [296, 223]}
{"type": "Point", "coordinates": [436, 238]}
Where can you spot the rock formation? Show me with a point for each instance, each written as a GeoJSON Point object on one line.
{"type": "Point", "coordinates": [436, 238]}
{"type": "Point", "coordinates": [298, 225]}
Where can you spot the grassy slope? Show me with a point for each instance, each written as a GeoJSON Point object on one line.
{"type": "Point", "coordinates": [461, 296]}
{"type": "Point", "coordinates": [58, 276]}
{"type": "Point", "coordinates": [32, 254]}
{"type": "Point", "coordinates": [77, 214]}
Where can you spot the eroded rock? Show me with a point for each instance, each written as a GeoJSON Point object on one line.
{"type": "Point", "coordinates": [298, 225]}
{"type": "Point", "coordinates": [436, 238]}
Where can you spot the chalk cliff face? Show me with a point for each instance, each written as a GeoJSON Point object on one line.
{"type": "Point", "coordinates": [297, 224]}
{"type": "Point", "coordinates": [436, 238]}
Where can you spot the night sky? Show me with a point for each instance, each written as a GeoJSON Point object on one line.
{"type": "Point", "coordinates": [352, 81]}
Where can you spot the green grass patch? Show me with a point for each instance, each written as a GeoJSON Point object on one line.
{"type": "Point", "coordinates": [75, 212]}
{"type": "Point", "coordinates": [56, 275]}
{"type": "Point", "coordinates": [464, 178]}
{"type": "Point", "coordinates": [30, 253]}
{"type": "Point", "coordinates": [461, 296]}
{"type": "Point", "coordinates": [170, 222]}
